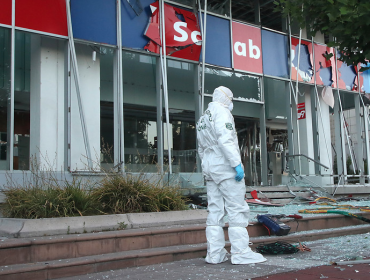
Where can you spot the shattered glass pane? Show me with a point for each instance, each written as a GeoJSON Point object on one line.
{"type": "Point", "coordinates": [244, 87]}
{"type": "Point", "coordinates": [305, 66]}
{"type": "Point", "coordinates": [136, 6]}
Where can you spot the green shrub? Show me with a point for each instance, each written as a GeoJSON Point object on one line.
{"type": "Point", "coordinates": [115, 194]}
{"type": "Point", "coordinates": [120, 194]}
{"type": "Point", "coordinates": [33, 202]}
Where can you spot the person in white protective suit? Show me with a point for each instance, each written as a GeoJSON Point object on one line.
{"type": "Point", "coordinates": [221, 163]}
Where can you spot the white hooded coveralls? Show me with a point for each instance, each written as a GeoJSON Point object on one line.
{"type": "Point", "coordinates": [219, 151]}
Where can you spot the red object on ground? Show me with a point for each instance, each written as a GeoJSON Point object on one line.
{"type": "Point", "coordinates": [254, 194]}
{"type": "Point", "coordinates": [295, 216]}
{"type": "Point", "coordinates": [260, 202]}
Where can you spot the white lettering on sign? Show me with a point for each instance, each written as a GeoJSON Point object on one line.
{"type": "Point", "coordinates": [241, 49]}
{"type": "Point", "coordinates": [194, 38]}
{"type": "Point", "coordinates": [252, 49]}
{"type": "Point", "coordinates": [301, 114]}
{"type": "Point", "coordinates": [184, 35]}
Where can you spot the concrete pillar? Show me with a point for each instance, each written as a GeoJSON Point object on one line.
{"type": "Point", "coordinates": [291, 120]}
{"type": "Point", "coordinates": [316, 118]}
{"type": "Point", "coordinates": [340, 147]}
{"type": "Point", "coordinates": [306, 133]}
{"type": "Point", "coordinates": [47, 103]}
{"type": "Point", "coordinates": [89, 71]}
{"type": "Point", "coordinates": [326, 155]}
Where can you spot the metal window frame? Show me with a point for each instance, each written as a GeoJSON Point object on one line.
{"type": "Point", "coordinates": [77, 85]}
{"type": "Point", "coordinates": [12, 88]}
{"type": "Point", "coordinates": [163, 58]}
{"type": "Point", "coordinates": [118, 114]}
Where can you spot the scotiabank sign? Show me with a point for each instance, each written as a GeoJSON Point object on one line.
{"type": "Point", "coordinates": [247, 48]}
{"type": "Point", "coordinates": [183, 37]}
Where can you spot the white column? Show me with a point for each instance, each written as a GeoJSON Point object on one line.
{"type": "Point", "coordinates": [89, 71]}
{"type": "Point", "coordinates": [47, 116]}
{"type": "Point", "coordinates": [326, 156]}
{"type": "Point", "coordinates": [306, 134]}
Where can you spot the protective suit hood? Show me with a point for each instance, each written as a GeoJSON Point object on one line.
{"type": "Point", "coordinates": [224, 96]}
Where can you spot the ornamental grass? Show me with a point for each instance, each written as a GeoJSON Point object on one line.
{"type": "Point", "coordinates": [120, 194]}
{"type": "Point", "coordinates": [52, 201]}
{"type": "Point", "coordinates": [115, 194]}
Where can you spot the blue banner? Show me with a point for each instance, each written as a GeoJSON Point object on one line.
{"type": "Point", "coordinates": [275, 54]}
{"type": "Point", "coordinates": [94, 20]}
{"type": "Point", "coordinates": [218, 44]}
{"type": "Point", "coordinates": [134, 26]}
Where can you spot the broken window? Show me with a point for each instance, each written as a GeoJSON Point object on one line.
{"type": "Point", "coordinates": [244, 87]}
{"type": "Point", "coordinates": [269, 17]}
{"type": "Point", "coordinates": [324, 65]}
{"type": "Point", "coordinates": [244, 10]}
{"type": "Point", "coordinates": [304, 65]}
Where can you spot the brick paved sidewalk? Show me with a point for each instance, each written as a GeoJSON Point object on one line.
{"type": "Point", "coordinates": [332, 272]}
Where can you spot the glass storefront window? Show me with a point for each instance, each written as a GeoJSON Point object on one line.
{"type": "Point", "coordinates": [22, 108]}
{"type": "Point", "coordinates": [276, 99]}
{"type": "Point", "coordinates": [140, 119]}
{"type": "Point", "coordinates": [106, 107]}
{"type": "Point", "coordinates": [182, 115]}
{"type": "Point", "coordinates": [5, 48]}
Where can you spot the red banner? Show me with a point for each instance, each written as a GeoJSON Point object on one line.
{"type": "Point", "coordinates": [6, 12]}
{"type": "Point", "coordinates": [247, 48]}
{"type": "Point", "coordinates": [183, 37]}
{"type": "Point", "coordinates": [42, 15]}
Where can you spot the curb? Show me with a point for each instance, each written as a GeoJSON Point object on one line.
{"type": "Point", "coordinates": [15, 228]}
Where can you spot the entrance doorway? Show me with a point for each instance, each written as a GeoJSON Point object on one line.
{"type": "Point", "coordinates": [249, 144]}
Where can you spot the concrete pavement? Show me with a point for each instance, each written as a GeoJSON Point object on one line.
{"type": "Point", "coordinates": [302, 265]}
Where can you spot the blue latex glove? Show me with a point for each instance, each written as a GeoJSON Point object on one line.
{"type": "Point", "coordinates": [239, 173]}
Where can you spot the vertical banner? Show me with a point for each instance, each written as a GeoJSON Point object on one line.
{"type": "Point", "coordinates": [247, 47]}
{"type": "Point", "coordinates": [94, 20]}
{"type": "Point", "coordinates": [301, 109]}
{"type": "Point", "coordinates": [325, 65]}
{"type": "Point", "coordinates": [275, 54]}
{"type": "Point", "coordinates": [305, 70]}
{"type": "Point", "coordinates": [6, 12]}
{"type": "Point", "coordinates": [218, 41]}
{"type": "Point", "coordinates": [42, 15]}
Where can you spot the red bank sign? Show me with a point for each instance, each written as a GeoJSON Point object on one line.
{"type": "Point", "coordinates": [247, 48]}
{"type": "Point", "coordinates": [183, 37]}
{"type": "Point", "coordinates": [301, 108]}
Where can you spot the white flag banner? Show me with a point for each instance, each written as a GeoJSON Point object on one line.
{"type": "Point", "coordinates": [327, 96]}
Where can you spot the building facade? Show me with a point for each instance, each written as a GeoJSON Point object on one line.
{"type": "Point", "coordinates": [119, 85]}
